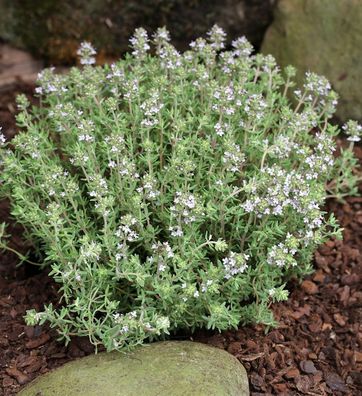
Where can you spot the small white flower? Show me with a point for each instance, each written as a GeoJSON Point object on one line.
{"type": "Point", "coordinates": [124, 329]}
{"type": "Point", "coordinates": [148, 327]}
{"type": "Point", "coordinates": [161, 267]}
{"type": "Point", "coordinates": [176, 231]}
{"type": "Point", "coordinates": [2, 138]}
{"type": "Point", "coordinates": [85, 138]}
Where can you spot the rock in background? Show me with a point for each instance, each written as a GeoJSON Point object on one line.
{"type": "Point", "coordinates": [17, 65]}
{"type": "Point", "coordinates": [53, 29]}
{"type": "Point", "coordinates": [324, 36]}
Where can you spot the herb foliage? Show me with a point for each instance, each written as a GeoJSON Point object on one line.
{"type": "Point", "coordinates": [172, 190]}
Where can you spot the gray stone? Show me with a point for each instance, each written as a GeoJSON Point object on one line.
{"type": "Point", "coordinates": [54, 29]}
{"type": "Point", "coordinates": [165, 368]}
{"type": "Point", "coordinates": [324, 36]}
{"type": "Point", "coordinates": [15, 63]}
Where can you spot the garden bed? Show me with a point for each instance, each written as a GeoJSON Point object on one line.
{"type": "Point", "coordinates": [314, 351]}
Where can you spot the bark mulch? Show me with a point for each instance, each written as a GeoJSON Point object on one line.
{"type": "Point", "coordinates": [316, 349]}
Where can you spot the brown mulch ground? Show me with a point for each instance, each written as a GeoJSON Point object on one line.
{"type": "Point", "coordinates": [316, 350]}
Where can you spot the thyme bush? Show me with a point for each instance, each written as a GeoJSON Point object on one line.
{"type": "Point", "coordinates": [174, 190]}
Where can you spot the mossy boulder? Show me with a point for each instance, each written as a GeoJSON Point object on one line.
{"type": "Point", "coordinates": [53, 29]}
{"type": "Point", "coordinates": [165, 368]}
{"type": "Point", "coordinates": [323, 36]}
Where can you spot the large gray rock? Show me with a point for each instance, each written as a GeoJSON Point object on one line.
{"type": "Point", "coordinates": [53, 29]}
{"type": "Point", "coordinates": [161, 369]}
{"type": "Point", "coordinates": [324, 36]}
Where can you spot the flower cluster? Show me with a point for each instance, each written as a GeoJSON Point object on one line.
{"type": "Point", "coordinates": [234, 264]}
{"type": "Point", "coordinates": [162, 252]}
{"type": "Point", "coordinates": [86, 130]}
{"type": "Point", "coordinates": [149, 188]}
{"type": "Point", "coordinates": [139, 43]}
{"type": "Point", "coordinates": [174, 190]}
{"type": "Point", "coordinates": [280, 190]}
{"type": "Point", "coordinates": [2, 138]}
{"type": "Point", "coordinates": [50, 83]}
{"type": "Point", "coordinates": [242, 47]}
{"type": "Point", "coordinates": [353, 130]}
{"type": "Point", "coordinates": [283, 254]}
{"type": "Point", "coordinates": [217, 37]}
{"type": "Point", "coordinates": [151, 108]}
{"type": "Point", "coordinates": [126, 230]}
{"type": "Point", "coordinates": [233, 158]}
{"type": "Point", "coordinates": [86, 54]}
{"type": "Point", "coordinates": [185, 207]}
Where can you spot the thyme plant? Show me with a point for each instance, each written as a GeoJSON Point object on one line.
{"type": "Point", "coordinates": [170, 190]}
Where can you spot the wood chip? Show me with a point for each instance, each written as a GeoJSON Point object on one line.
{"type": "Point", "coordinates": [37, 342]}
{"type": "Point", "coordinates": [309, 287]}
{"type": "Point", "coordinates": [293, 372]}
{"type": "Point", "coordinates": [20, 377]}
{"type": "Point", "coordinates": [308, 367]}
{"type": "Point", "coordinates": [250, 358]}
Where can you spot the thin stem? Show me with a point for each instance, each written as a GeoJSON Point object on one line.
{"type": "Point", "coordinates": [22, 257]}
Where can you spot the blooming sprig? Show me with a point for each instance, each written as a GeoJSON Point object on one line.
{"type": "Point", "coordinates": [127, 230]}
{"type": "Point", "coordinates": [217, 37]}
{"type": "Point", "coordinates": [149, 188]}
{"type": "Point", "coordinates": [2, 138]}
{"type": "Point", "coordinates": [283, 254]}
{"type": "Point", "coordinates": [353, 130]}
{"type": "Point", "coordinates": [161, 37]}
{"type": "Point", "coordinates": [86, 53]}
{"type": "Point", "coordinates": [233, 158]}
{"type": "Point", "coordinates": [235, 263]}
{"type": "Point", "coordinates": [242, 47]}
{"type": "Point", "coordinates": [151, 107]}
{"type": "Point", "coordinates": [185, 207]}
{"type": "Point", "coordinates": [140, 43]}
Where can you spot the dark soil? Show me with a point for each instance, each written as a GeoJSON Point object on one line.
{"type": "Point", "coordinates": [316, 350]}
